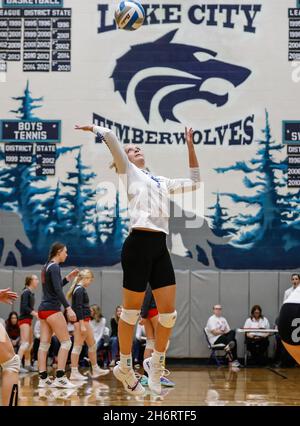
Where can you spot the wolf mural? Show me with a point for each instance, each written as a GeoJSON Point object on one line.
{"type": "Point", "coordinates": [197, 238]}
{"type": "Point", "coordinates": [181, 58]}
{"type": "Point", "coordinates": [11, 232]}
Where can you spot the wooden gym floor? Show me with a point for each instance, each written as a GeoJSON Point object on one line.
{"type": "Point", "coordinates": [194, 386]}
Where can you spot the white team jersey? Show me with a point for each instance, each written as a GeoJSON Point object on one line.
{"type": "Point", "coordinates": [216, 323]}
{"type": "Point", "coordinates": [148, 195]}
{"type": "Point", "coordinates": [294, 297]}
{"type": "Point", "coordinates": [253, 323]}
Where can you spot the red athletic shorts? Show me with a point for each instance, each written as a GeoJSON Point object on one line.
{"type": "Point", "coordinates": [152, 313]}
{"type": "Point", "coordinates": [87, 319]}
{"type": "Point", "coordinates": [45, 314]}
{"type": "Point", "coordinates": [25, 321]}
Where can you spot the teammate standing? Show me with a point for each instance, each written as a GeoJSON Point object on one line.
{"type": "Point", "coordinates": [52, 319]}
{"type": "Point", "coordinates": [83, 332]}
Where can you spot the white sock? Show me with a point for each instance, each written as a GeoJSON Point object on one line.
{"type": "Point", "coordinates": [125, 362]}
{"type": "Point", "coordinates": [158, 357]}
{"type": "Point", "coordinates": [75, 370]}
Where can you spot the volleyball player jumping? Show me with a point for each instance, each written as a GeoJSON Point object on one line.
{"type": "Point", "coordinates": [145, 257]}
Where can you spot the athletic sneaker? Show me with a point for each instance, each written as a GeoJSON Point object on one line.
{"type": "Point", "coordinates": [23, 370]}
{"type": "Point", "coordinates": [75, 375]}
{"type": "Point", "coordinates": [144, 381]}
{"type": "Point", "coordinates": [130, 382]}
{"type": "Point", "coordinates": [155, 372]}
{"type": "Point", "coordinates": [32, 369]}
{"type": "Point", "coordinates": [98, 372]}
{"type": "Point", "coordinates": [235, 364]}
{"type": "Point", "coordinates": [45, 383]}
{"type": "Point", "coordinates": [63, 382]}
{"type": "Point", "coordinates": [112, 363]}
{"type": "Point", "coordinates": [166, 382]}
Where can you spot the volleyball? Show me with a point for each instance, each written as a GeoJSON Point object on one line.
{"type": "Point", "coordinates": [129, 15]}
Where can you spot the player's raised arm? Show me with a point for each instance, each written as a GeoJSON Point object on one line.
{"type": "Point", "coordinates": [193, 161]}
{"type": "Point", "coordinates": [108, 136]}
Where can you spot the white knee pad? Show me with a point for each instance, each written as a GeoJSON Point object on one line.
{"type": "Point", "coordinates": [12, 364]}
{"type": "Point", "coordinates": [44, 347]}
{"type": "Point", "coordinates": [93, 348]}
{"type": "Point", "coordinates": [24, 346]}
{"type": "Point", "coordinates": [130, 316]}
{"type": "Point", "coordinates": [150, 344]}
{"type": "Point", "coordinates": [77, 350]}
{"type": "Point", "coordinates": [66, 344]}
{"type": "Point", "coordinates": [167, 320]}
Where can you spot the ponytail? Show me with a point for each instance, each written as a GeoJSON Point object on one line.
{"type": "Point", "coordinates": [85, 273]}
{"type": "Point", "coordinates": [54, 249]}
{"type": "Point", "coordinates": [71, 289]}
{"type": "Point", "coordinates": [28, 280]}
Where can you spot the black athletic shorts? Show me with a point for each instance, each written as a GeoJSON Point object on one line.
{"type": "Point", "coordinates": [289, 323]}
{"type": "Point", "coordinates": [145, 259]}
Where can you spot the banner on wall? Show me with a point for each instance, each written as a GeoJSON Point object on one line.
{"type": "Point", "coordinates": [210, 66]}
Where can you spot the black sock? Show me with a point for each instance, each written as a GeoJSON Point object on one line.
{"type": "Point", "coordinates": [60, 373]}
{"type": "Point", "coordinates": [43, 375]}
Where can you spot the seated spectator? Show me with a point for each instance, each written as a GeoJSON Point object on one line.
{"type": "Point", "coordinates": [13, 330]}
{"type": "Point", "coordinates": [98, 324]}
{"type": "Point", "coordinates": [295, 279]}
{"type": "Point", "coordinates": [218, 331]}
{"type": "Point", "coordinates": [114, 342]}
{"type": "Point", "coordinates": [139, 345]}
{"type": "Point", "coordinates": [257, 342]}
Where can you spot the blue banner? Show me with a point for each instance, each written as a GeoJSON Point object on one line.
{"type": "Point", "coordinates": [30, 131]}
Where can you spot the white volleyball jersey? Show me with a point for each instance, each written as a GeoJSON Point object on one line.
{"type": "Point", "coordinates": [294, 297]}
{"type": "Point", "coordinates": [148, 195]}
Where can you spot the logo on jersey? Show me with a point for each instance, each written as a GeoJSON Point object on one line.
{"type": "Point", "coordinates": [182, 70]}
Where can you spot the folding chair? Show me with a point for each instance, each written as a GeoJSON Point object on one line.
{"type": "Point", "coordinates": [214, 350]}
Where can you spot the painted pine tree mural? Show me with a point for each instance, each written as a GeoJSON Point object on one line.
{"type": "Point", "coordinates": [220, 219]}
{"type": "Point", "coordinates": [263, 234]}
{"type": "Point", "coordinates": [27, 105]}
{"type": "Point", "coordinates": [80, 198]}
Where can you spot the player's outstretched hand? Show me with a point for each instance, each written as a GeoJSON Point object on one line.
{"type": "Point", "coordinates": [84, 128]}
{"type": "Point", "coordinates": [7, 296]}
{"type": "Point", "coordinates": [189, 136]}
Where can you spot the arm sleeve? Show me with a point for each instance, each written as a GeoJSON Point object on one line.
{"type": "Point", "coordinates": [57, 284]}
{"type": "Point", "coordinates": [26, 303]}
{"type": "Point", "coordinates": [267, 323]}
{"type": "Point", "coordinates": [177, 186]}
{"type": "Point", "coordinates": [78, 303]}
{"type": "Point", "coordinates": [147, 302]}
{"type": "Point", "coordinates": [119, 156]}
